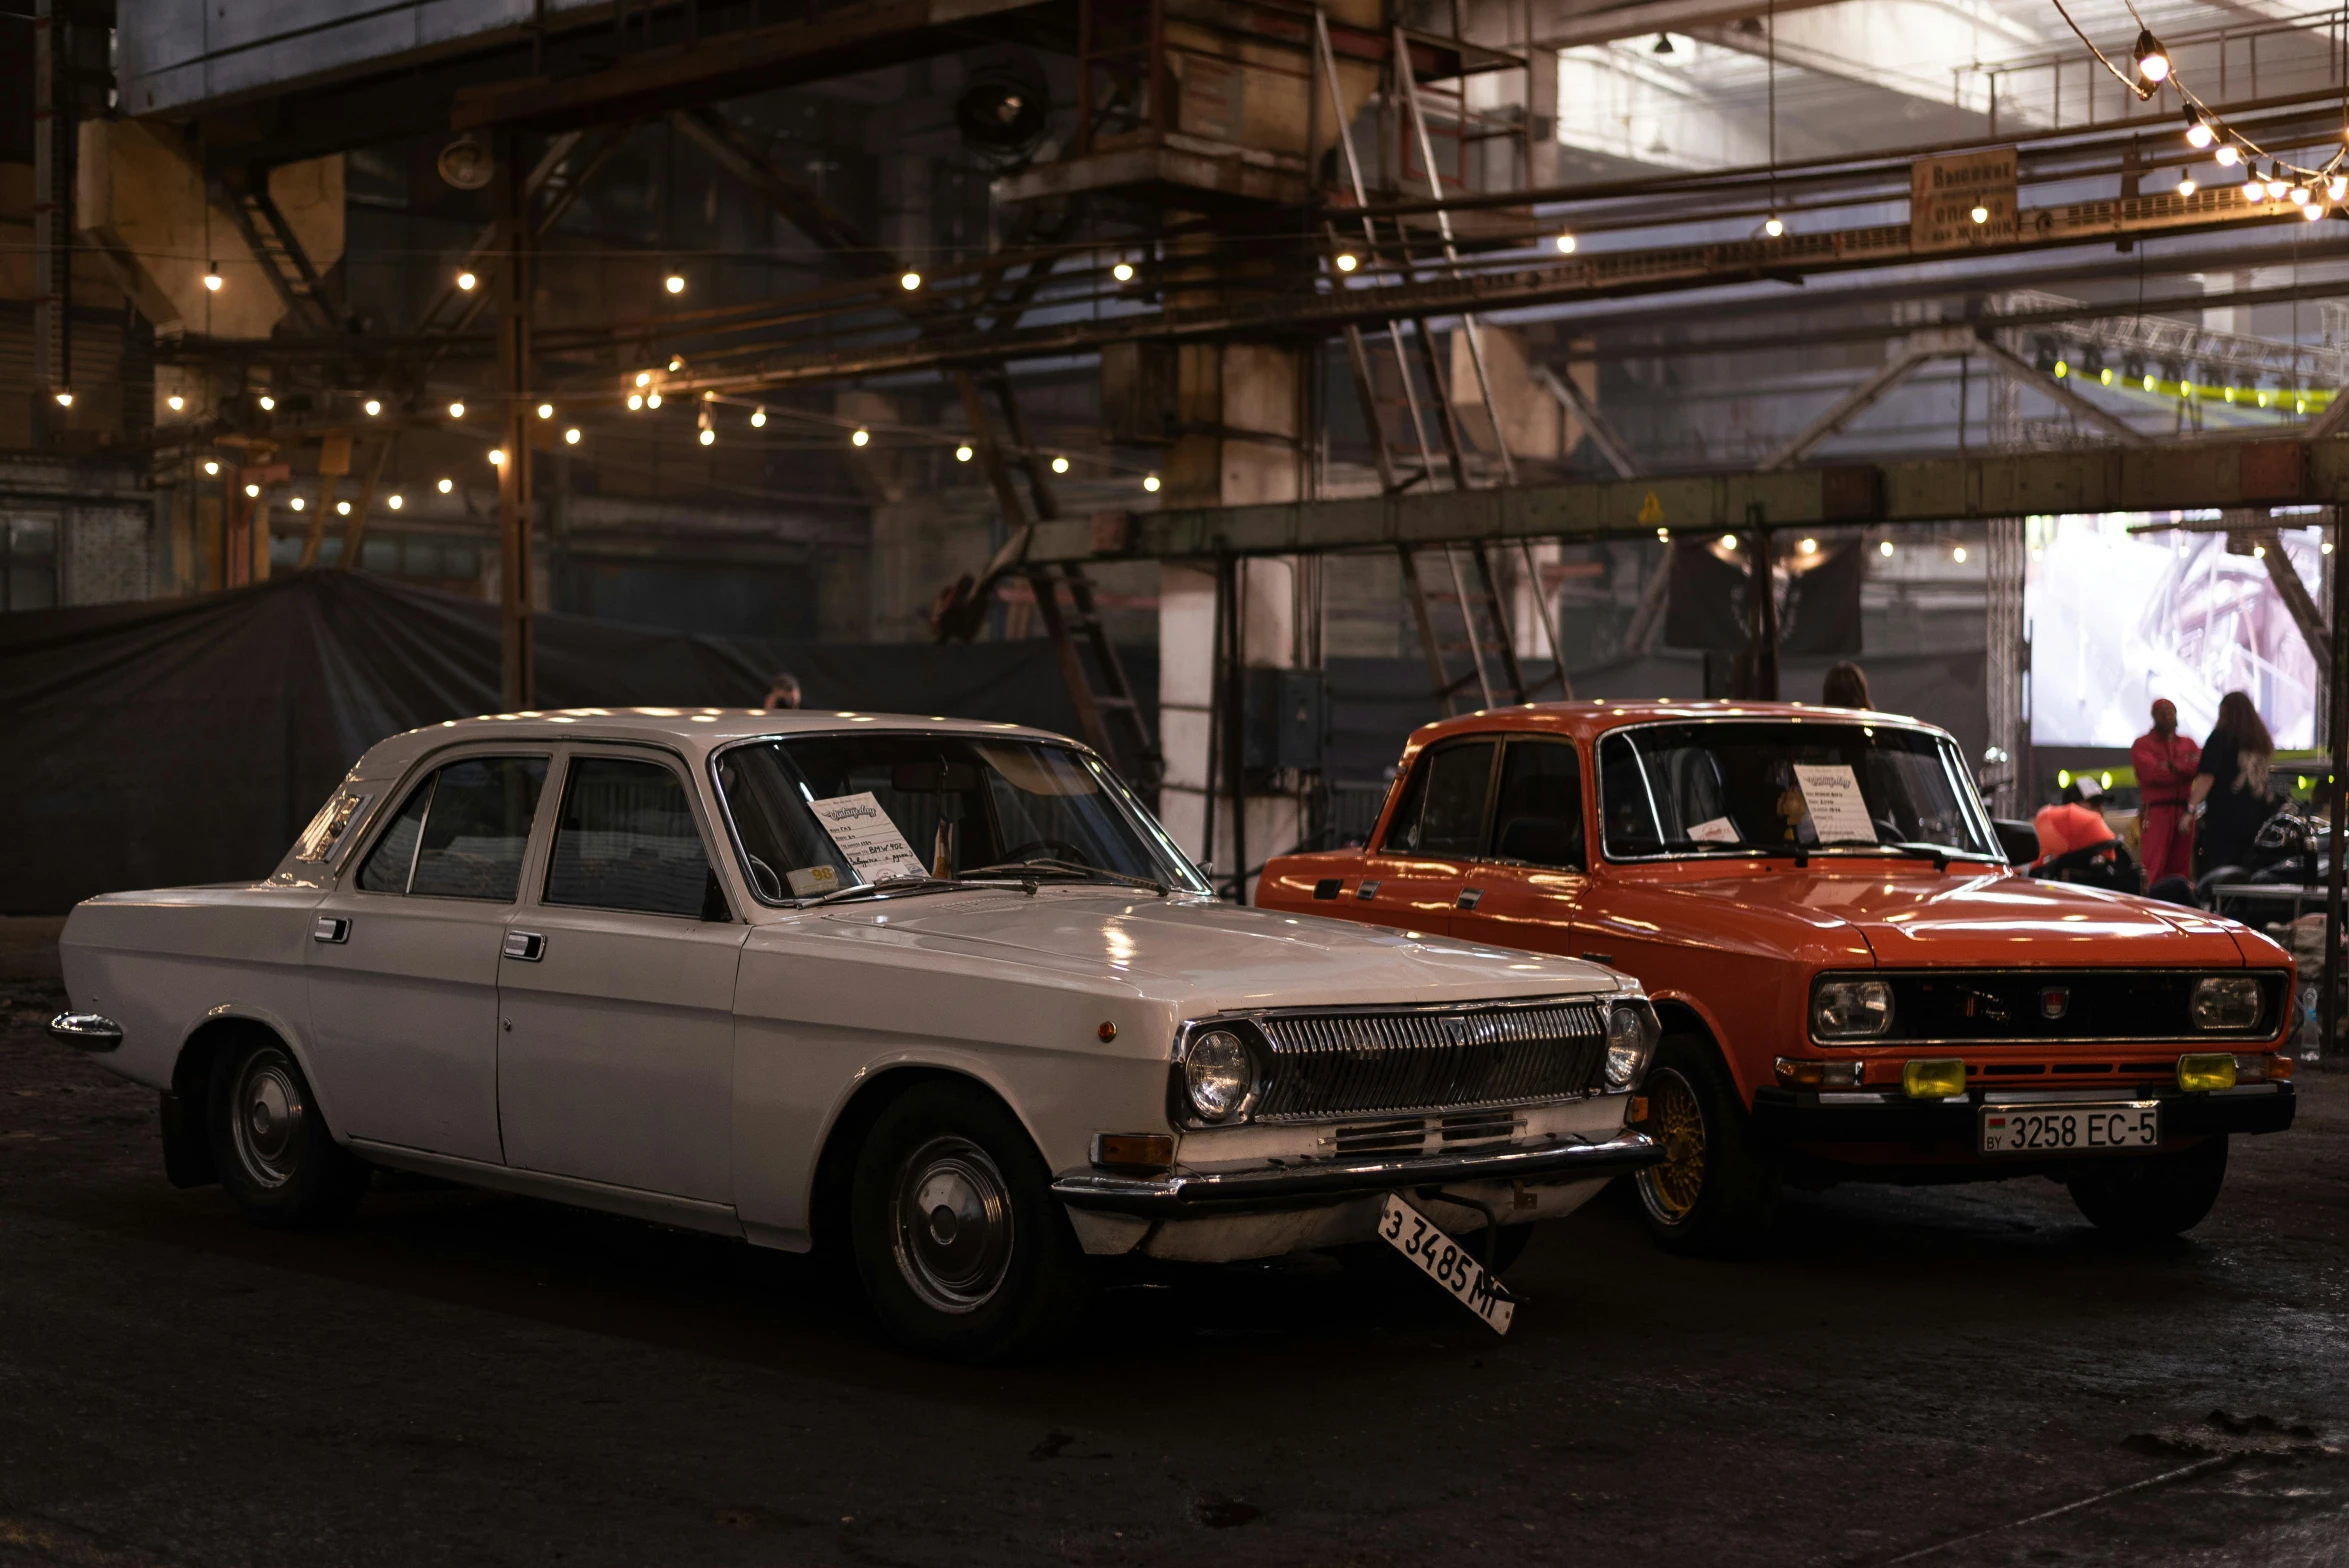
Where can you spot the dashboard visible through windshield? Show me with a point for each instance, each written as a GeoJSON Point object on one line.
{"type": "Point", "coordinates": [1785, 787]}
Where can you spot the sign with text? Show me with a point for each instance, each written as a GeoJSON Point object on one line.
{"type": "Point", "coordinates": [1945, 194]}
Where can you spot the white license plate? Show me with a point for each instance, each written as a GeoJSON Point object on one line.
{"type": "Point", "coordinates": [2071, 1129]}
{"type": "Point", "coordinates": [1446, 1262]}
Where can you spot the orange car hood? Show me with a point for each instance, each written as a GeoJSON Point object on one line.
{"type": "Point", "coordinates": [1912, 919]}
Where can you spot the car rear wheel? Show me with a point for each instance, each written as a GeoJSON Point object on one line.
{"type": "Point", "coordinates": [2149, 1197]}
{"type": "Point", "coordinates": [961, 1247]}
{"type": "Point", "coordinates": [270, 1146]}
{"type": "Point", "coordinates": [1716, 1189]}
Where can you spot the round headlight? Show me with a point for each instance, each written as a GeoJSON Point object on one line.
{"type": "Point", "coordinates": [1629, 1040]}
{"type": "Point", "coordinates": [1219, 1075]}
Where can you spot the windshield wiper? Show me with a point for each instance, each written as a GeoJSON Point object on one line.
{"type": "Point", "coordinates": [1067, 868]}
{"type": "Point", "coordinates": [920, 884]}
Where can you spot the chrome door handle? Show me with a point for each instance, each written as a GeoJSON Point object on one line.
{"type": "Point", "coordinates": [1469, 896]}
{"type": "Point", "coordinates": [330, 928]}
{"type": "Point", "coordinates": [528, 946]}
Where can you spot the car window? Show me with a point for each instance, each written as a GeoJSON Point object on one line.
{"type": "Point", "coordinates": [627, 840]}
{"type": "Point", "coordinates": [460, 833]}
{"type": "Point", "coordinates": [1442, 810]}
{"type": "Point", "coordinates": [1537, 815]}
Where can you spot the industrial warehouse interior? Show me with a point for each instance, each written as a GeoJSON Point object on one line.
{"type": "Point", "coordinates": [822, 781]}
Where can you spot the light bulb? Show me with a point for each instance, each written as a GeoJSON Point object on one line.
{"type": "Point", "coordinates": [644, 378]}
{"type": "Point", "coordinates": [1980, 214]}
{"type": "Point", "coordinates": [546, 410]}
{"type": "Point", "coordinates": [2228, 154]}
{"type": "Point", "coordinates": [456, 411]}
{"type": "Point", "coordinates": [1347, 261]}
{"type": "Point", "coordinates": [65, 400]}
{"type": "Point", "coordinates": [2062, 369]}
{"type": "Point", "coordinates": [1664, 535]}
{"type": "Point", "coordinates": [497, 457]}
{"type": "Point", "coordinates": [2187, 187]}
{"type": "Point", "coordinates": [1774, 227]}
{"type": "Point", "coordinates": [910, 281]}
{"type": "Point", "coordinates": [962, 454]}
{"type": "Point", "coordinates": [212, 276]}
{"type": "Point", "coordinates": [2312, 211]}
{"type": "Point", "coordinates": [2104, 377]}
{"type": "Point", "coordinates": [860, 438]}
{"type": "Point", "coordinates": [2149, 383]}
{"type": "Point", "coordinates": [676, 363]}
{"type": "Point", "coordinates": [1958, 555]}
{"type": "Point", "coordinates": [2198, 132]}
{"type": "Point", "coordinates": [342, 508]}
{"type": "Point", "coordinates": [2337, 188]}
{"type": "Point", "coordinates": [2254, 190]}
{"type": "Point", "coordinates": [635, 401]}
{"type": "Point", "coordinates": [2297, 195]}
{"type": "Point", "coordinates": [1885, 548]}
{"type": "Point", "coordinates": [211, 468]}
{"type": "Point", "coordinates": [252, 490]}
{"type": "Point", "coordinates": [1123, 272]}
{"type": "Point", "coordinates": [653, 400]}
{"type": "Point", "coordinates": [571, 436]}
{"type": "Point", "coordinates": [1729, 541]}
{"type": "Point", "coordinates": [2276, 188]}
{"type": "Point", "coordinates": [1565, 244]}
{"type": "Point", "coordinates": [758, 417]}
{"type": "Point", "coordinates": [709, 438]}
{"type": "Point", "coordinates": [175, 402]}
{"type": "Point", "coordinates": [1150, 483]}
{"type": "Point", "coordinates": [1810, 547]}
{"type": "Point", "coordinates": [1060, 465]}
{"type": "Point", "coordinates": [297, 503]}
{"type": "Point", "coordinates": [675, 283]}
{"type": "Point", "coordinates": [394, 501]}
{"type": "Point", "coordinates": [2153, 62]}
{"type": "Point", "coordinates": [374, 406]}
{"type": "Point", "coordinates": [466, 280]}
{"type": "Point", "coordinates": [446, 485]}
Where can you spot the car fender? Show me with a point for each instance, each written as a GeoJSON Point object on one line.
{"type": "Point", "coordinates": [276, 1023]}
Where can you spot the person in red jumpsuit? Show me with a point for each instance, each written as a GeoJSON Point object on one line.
{"type": "Point", "coordinates": [2165, 761]}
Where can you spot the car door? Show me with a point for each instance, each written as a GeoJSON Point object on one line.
{"type": "Point", "coordinates": [1418, 875]}
{"type": "Point", "coordinates": [403, 960]}
{"type": "Point", "coordinates": [616, 989]}
{"type": "Point", "coordinates": [1531, 879]}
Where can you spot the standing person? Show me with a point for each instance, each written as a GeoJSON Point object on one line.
{"type": "Point", "coordinates": [1846, 686]}
{"type": "Point", "coordinates": [782, 691]}
{"type": "Point", "coordinates": [2165, 762]}
{"type": "Point", "coordinates": [2230, 783]}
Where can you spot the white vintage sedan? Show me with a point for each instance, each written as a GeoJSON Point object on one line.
{"type": "Point", "coordinates": [939, 995]}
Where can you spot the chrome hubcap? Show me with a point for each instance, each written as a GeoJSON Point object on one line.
{"type": "Point", "coordinates": [268, 1112]}
{"type": "Point", "coordinates": [1670, 1189]}
{"type": "Point", "coordinates": [953, 1222]}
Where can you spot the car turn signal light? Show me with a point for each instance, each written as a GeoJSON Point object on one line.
{"type": "Point", "coordinates": [1793, 1073]}
{"type": "Point", "coordinates": [1133, 1151]}
{"type": "Point", "coordinates": [2201, 1072]}
{"type": "Point", "coordinates": [1934, 1078]}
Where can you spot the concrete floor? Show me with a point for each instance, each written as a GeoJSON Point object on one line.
{"type": "Point", "coordinates": [1953, 1377]}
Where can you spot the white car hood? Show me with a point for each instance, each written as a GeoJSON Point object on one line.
{"type": "Point", "coordinates": [1201, 951]}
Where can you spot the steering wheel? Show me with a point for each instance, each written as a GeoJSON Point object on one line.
{"type": "Point", "coordinates": [1053, 848]}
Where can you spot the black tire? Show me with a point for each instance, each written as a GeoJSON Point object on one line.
{"type": "Point", "coordinates": [990, 1270]}
{"type": "Point", "coordinates": [2155, 1196]}
{"type": "Point", "coordinates": [270, 1145]}
{"type": "Point", "coordinates": [1717, 1189]}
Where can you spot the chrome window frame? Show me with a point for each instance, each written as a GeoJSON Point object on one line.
{"type": "Point", "coordinates": [1969, 798]}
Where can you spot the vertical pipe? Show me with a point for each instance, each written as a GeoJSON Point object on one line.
{"type": "Point", "coordinates": [2337, 736]}
{"type": "Point", "coordinates": [516, 654]}
{"type": "Point", "coordinates": [1762, 653]}
{"type": "Point", "coordinates": [48, 373]}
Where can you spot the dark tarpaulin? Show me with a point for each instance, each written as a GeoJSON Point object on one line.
{"type": "Point", "coordinates": [167, 742]}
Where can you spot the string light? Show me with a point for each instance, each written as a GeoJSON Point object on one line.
{"type": "Point", "coordinates": [1664, 535]}
{"type": "Point", "coordinates": [64, 399]}
{"type": "Point", "coordinates": [342, 508]}
{"type": "Point", "coordinates": [2312, 211]}
{"type": "Point", "coordinates": [175, 402]}
{"type": "Point", "coordinates": [497, 457]}
{"type": "Point", "coordinates": [910, 282]}
{"type": "Point", "coordinates": [758, 417]}
{"type": "Point", "coordinates": [1123, 272]}
{"type": "Point", "coordinates": [212, 276]}
{"type": "Point", "coordinates": [267, 403]}
{"type": "Point", "coordinates": [644, 378]}
{"type": "Point", "coordinates": [2255, 189]}
{"type": "Point", "coordinates": [674, 283]}
{"type": "Point", "coordinates": [374, 406]}
{"type": "Point", "coordinates": [394, 501]}
{"type": "Point", "coordinates": [2198, 132]}
{"type": "Point", "coordinates": [546, 410]}
{"type": "Point", "coordinates": [1774, 227]}
{"type": "Point", "coordinates": [1729, 541]}
{"type": "Point", "coordinates": [2228, 154]}
{"type": "Point", "coordinates": [297, 503]}
{"type": "Point", "coordinates": [861, 437]}
{"type": "Point", "coordinates": [2276, 184]}
{"type": "Point", "coordinates": [652, 400]}
{"type": "Point", "coordinates": [1980, 214]}
{"type": "Point", "coordinates": [709, 437]}
{"type": "Point", "coordinates": [252, 491]}
{"type": "Point", "coordinates": [1958, 554]}
{"type": "Point", "coordinates": [2153, 61]}
{"type": "Point", "coordinates": [446, 485]}
{"type": "Point", "coordinates": [2297, 195]}
{"type": "Point", "coordinates": [456, 411]}
{"type": "Point", "coordinates": [676, 363]}
{"type": "Point", "coordinates": [571, 436]}
{"type": "Point", "coordinates": [1060, 465]}
{"type": "Point", "coordinates": [2186, 186]}
{"type": "Point", "coordinates": [1348, 261]}
{"type": "Point", "coordinates": [962, 454]}
{"type": "Point", "coordinates": [1150, 483]}
{"type": "Point", "coordinates": [635, 401]}
{"type": "Point", "coordinates": [1885, 549]}
{"type": "Point", "coordinates": [1810, 547]}
{"type": "Point", "coordinates": [466, 280]}
{"type": "Point", "coordinates": [211, 468]}
{"type": "Point", "coordinates": [1565, 244]}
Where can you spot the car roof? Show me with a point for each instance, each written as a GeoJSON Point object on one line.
{"type": "Point", "coordinates": [692, 730]}
{"type": "Point", "coordinates": [1587, 719]}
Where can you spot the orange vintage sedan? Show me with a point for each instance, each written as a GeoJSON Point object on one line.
{"type": "Point", "coordinates": [1852, 982]}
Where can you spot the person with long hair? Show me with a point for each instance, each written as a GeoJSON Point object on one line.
{"type": "Point", "coordinates": [2231, 784]}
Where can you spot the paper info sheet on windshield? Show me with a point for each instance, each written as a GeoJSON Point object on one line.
{"type": "Point", "coordinates": [1833, 796]}
{"type": "Point", "coordinates": [868, 840]}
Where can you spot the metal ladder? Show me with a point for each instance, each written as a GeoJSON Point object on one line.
{"type": "Point", "coordinates": [1461, 611]}
{"type": "Point", "coordinates": [283, 261]}
{"type": "Point", "coordinates": [1107, 711]}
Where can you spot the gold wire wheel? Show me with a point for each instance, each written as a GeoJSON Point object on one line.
{"type": "Point", "coordinates": [1670, 1187]}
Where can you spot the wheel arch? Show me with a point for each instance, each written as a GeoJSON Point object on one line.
{"type": "Point", "coordinates": [188, 1156]}
{"type": "Point", "coordinates": [835, 1166]}
{"type": "Point", "coordinates": [1681, 1014]}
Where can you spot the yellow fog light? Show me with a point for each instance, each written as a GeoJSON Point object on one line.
{"type": "Point", "coordinates": [1936, 1078]}
{"type": "Point", "coordinates": [2211, 1070]}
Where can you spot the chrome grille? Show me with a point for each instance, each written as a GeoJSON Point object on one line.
{"type": "Point", "coordinates": [1351, 1064]}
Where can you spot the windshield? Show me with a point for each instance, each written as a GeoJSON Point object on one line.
{"type": "Point", "coordinates": [825, 813]}
{"type": "Point", "coordinates": [1776, 786]}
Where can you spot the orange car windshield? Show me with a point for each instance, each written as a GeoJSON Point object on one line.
{"type": "Point", "coordinates": [1767, 787]}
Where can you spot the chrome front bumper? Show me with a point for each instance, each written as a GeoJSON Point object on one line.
{"type": "Point", "coordinates": [1310, 1184]}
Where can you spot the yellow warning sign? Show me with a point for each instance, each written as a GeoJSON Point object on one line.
{"type": "Point", "coordinates": [1651, 511]}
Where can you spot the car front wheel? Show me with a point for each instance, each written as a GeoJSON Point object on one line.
{"type": "Point", "coordinates": [961, 1247]}
{"type": "Point", "coordinates": [271, 1147]}
{"type": "Point", "coordinates": [1715, 1190]}
{"type": "Point", "coordinates": [2148, 1197]}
